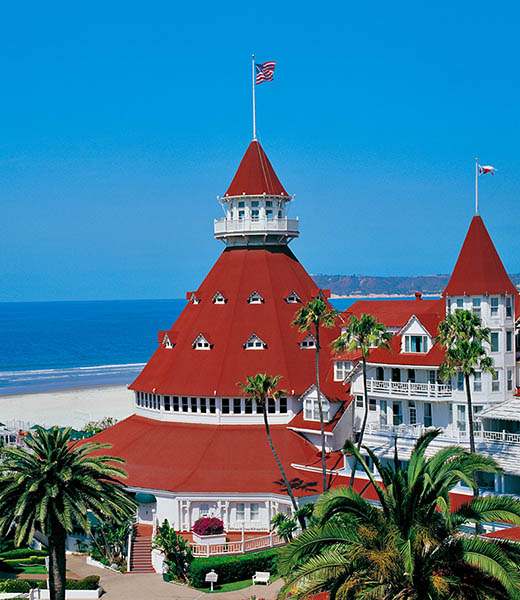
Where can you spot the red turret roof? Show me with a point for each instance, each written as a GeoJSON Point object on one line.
{"type": "Point", "coordinates": [272, 272]}
{"type": "Point", "coordinates": [479, 269]}
{"type": "Point", "coordinates": [255, 175]}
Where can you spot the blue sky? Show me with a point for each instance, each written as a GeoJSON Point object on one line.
{"type": "Point", "coordinates": [121, 122]}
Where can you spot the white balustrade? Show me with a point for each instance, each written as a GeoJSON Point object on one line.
{"type": "Point", "coordinates": [409, 389]}
{"type": "Point", "coordinates": [225, 226]}
{"type": "Point", "coordinates": [240, 547]}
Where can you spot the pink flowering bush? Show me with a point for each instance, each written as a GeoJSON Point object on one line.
{"type": "Point", "coordinates": [208, 526]}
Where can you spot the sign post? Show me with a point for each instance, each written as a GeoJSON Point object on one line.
{"type": "Point", "coordinates": [211, 578]}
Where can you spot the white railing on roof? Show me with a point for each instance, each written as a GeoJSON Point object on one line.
{"type": "Point", "coordinates": [409, 389]}
{"type": "Point", "coordinates": [227, 226]}
{"type": "Point", "coordinates": [241, 547]}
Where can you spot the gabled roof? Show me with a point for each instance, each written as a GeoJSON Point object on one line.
{"type": "Point", "coordinates": [255, 175]}
{"type": "Point", "coordinates": [479, 269]}
{"type": "Point", "coordinates": [394, 356]}
{"type": "Point", "coordinates": [396, 313]}
{"type": "Point", "coordinates": [182, 370]}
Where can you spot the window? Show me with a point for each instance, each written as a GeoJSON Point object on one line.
{"type": "Point", "coordinates": [201, 343]}
{"type": "Point", "coordinates": [383, 417]}
{"type": "Point", "coordinates": [203, 406]}
{"type": "Point", "coordinates": [248, 408]}
{"type": "Point", "coordinates": [218, 298]}
{"type": "Point", "coordinates": [212, 406]}
{"type": "Point", "coordinates": [193, 405]}
{"type": "Point", "coordinates": [225, 406]}
{"type": "Point", "coordinates": [255, 298]}
{"type": "Point", "coordinates": [241, 215]}
{"type": "Point", "coordinates": [293, 298]}
{"type": "Point", "coordinates": [241, 511]}
{"type": "Point", "coordinates": [460, 382]}
{"type": "Point", "coordinates": [255, 203]}
{"type": "Point", "coordinates": [509, 380]}
{"type": "Point", "coordinates": [254, 343]}
{"type": "Point", "coordinates": [359, 402]}
{"type": "Point", "coordinates": [341, 368]}
{"type": "Point", "coordinates": [495, 382]}
{"type": "Point", "coordinates": [396, 374]}
{"type": "Point", "coordinates": [476, 306]}
{"type": "Point", "coordinates": [237, 406]}
{"type": "Point", "coordinates": [258, 408]}
{"type": "Point", "coordinates": [255, 214]}
{"type": "Point", "coordinates": [380, 374]}
{"type": "Point", "coordinates": [461, 417]}
{"type": "Point", "coordinates": [411, 375]}
{"type": "Point", "coordinates": [397, 411]}
{"type": "Point", "coordinates": [255, 511]}
{"type": "Point", "coordinates": [432, 376]}
{"type": "Point", "coordinates": [269, 214]}
{"type": "Point", "coordinates": [372, 404]}
{"type": "Point", "coordinates": [184, 404]}
{"type": "Point", "coordinates": [477, 424]}
{"type": "Point", "coordinates": [494, 306]}
{"type": "Point", "coordinates": [415, 343]}
{"type": "Point", "coordinates": [279, 214]}
{"type": "Point", "coordinates": [509, 341]}
{"type": "Point", "coordinates": [428, 415]}
{"type": "Point", "coordinates": [413, 412]}
{"type": "Point", "coordinates": [204, 510]}
{"type": "Point", "coordinates": [494, 341]}
{"type": "Point", "coordinates": [308, 342]}
{"type": "Point", "coordinates": [509, 306]}
{"type": "Point", "coordinates": [269, 203]}
{"type": "Point", "coordinates": [175, 403]}
{"type": "Point", "coordinates": [241, 204]}
{"type": "Point", "coordinates": [312, 409]}
{"type": "Point", "coordinates": [460, 303]}
{"type": "Point", "coordinates": [477, 381]}
{"type": "Point", "coordinates": [283, 405]}
{"type": "Point", "coordinates": [167, 403]}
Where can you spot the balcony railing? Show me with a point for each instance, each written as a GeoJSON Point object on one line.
{"type": "Point", "coordinates": [226, 226]}
{"type": "Point", "coordinates": [409, 389]}
{"type": "Point", "coordinates": [241, 547]}
{"type": "Point", "coordinates": [414, 431]}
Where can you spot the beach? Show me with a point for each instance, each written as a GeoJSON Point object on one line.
{"type": "Point", "coordinates": [73, 407]}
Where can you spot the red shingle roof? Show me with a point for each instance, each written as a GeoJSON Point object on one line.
{"type": "Point", "coordinates": [396, 313]}
{"type": "Point", "coordinates": [479, 269]}
{"type": "Point", "coordinates": [184, 370]}
{"type": "Point", "coordinates": [255, 175]}
{"type": "Point", "coordinates": [191, 457]}
{"type": "Point", "coordinates": [510, 533]}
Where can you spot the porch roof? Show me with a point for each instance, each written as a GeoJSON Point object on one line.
{"type": "Point", "coordinates": [506, 411]}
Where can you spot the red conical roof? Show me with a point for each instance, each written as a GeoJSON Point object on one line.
{"type": "Point", "coordinates": [479, 269]}
{"type": "Point", "coordinates": [273, 272]}
{"type": "Point", "coordinates": [255, 175]}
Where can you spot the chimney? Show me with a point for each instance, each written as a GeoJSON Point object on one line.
{"type": "Point", "coordinates": [418, 295]}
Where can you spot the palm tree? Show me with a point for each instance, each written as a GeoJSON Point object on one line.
{"type": "Point", "coordinates": [260, 388]}
{"type": "Point", "coordinates": [411, 546]}
{"type": "Point", "coordinates": [52, 484]}
{"type": "Point", "coordinates": [313, 315]}
{"type": "Point", "coordinates": [361, 335]}
{"type": "Point", "coordinates": [462, 335]}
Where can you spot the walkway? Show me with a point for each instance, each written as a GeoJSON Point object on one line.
{"type": "Point", "coordinates": [147, 586]}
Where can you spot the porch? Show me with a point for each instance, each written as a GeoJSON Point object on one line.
{"type": "Point", "coordinates": [408, 389]}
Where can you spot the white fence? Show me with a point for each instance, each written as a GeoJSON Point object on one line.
{"type": "Point", "coordinates": [240, 547]}
{"type": "Point", "coordinates": [409, 389]}
{"type": "Point", "coordinates": [225, 226]}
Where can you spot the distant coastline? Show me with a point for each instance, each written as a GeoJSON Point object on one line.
{"type": "Point", "coordinates": [378, 296]}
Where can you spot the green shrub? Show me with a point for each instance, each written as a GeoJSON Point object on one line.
{"type": "Point", "coordinates": [6, 567]}
{"type": "Point", "coordinates": [22, 553]}
{"type": "Point", "coordinates": [91, 582]}
{"type": "Point", "coordinates": [16, 585]}
{"type": "Point", "coordinates": [233, 568]}
{"type": "Point", "coordinates": [30, 560]}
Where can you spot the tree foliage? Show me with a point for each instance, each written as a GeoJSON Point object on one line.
{"type": "Point", "coordinates": [176, 550]}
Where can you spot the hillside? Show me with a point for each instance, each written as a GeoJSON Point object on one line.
{"type": "Point", "coordinates": [368, 285]}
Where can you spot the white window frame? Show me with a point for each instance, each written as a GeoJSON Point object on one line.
{"type": "Point", "coordinates": [495, 382]}
{"type": "Point", "coordinates": [509, 380]}
{"type": "Point", "coordinates": [254, 511]}
{"type": "Point", "coordinates": [240, 511]}
{"type": "Point", "coordinates": [341, 369]}
{"type": "Point", "coordinates": [477, 381]}
{"type": "Point", "coordinates": [408, 344]}
{"type": "Point", "coordinates": [201, 343]}
{"type": "Point", "coordinates": [312, 409]}
{"type": "Point", "coordinates": [293, 298]}
{"type": "Point", "coordinates": [308, 342]}
{"type": "Point", "coordinates": [255, 298]}
{"type": "Point", "coordinates": [430, 416]}
{"type": "Point", "coordinates": [254, 342]}
{"type": "Point", "coordinates": [476, 306]}
{"type": "Point", "coordinates": [494, 304]}
{"type": "Point", "coordinates": [218, 298]}
{"type": "Point", "coordinates": [494, 335]}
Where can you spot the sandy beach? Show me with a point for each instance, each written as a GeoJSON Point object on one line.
{"type": "Point", "coordinates": [73, 407]}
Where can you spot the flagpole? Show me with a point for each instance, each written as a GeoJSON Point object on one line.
{"type": "Point", "coordinates": [254, 109]}
{"type": "Point", "coordinates": [476, 186]}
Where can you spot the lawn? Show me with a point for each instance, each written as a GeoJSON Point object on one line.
{"type": "Point", "coordinates": [31, 569]}
{"type": "Point", "coordinates": [234, 585]}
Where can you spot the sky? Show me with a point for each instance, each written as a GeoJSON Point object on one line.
{"type": "Point", "coordinates": [121, 122]}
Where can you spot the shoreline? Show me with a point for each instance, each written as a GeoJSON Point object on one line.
{"type": "Point", "coordinates": [372, 296]}
{"type": "Point", "coordinates": [66, 407]}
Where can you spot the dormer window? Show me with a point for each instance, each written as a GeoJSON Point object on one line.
{"type": "Point", "coordinates": [218, 298]}
{"type": "Point", "coordinates": [201, 343]}
{"type": "Point", "coordinates": [194, 299]}
{"type": "Point", "coordinates": [255, 298]}
{"type": "Point", "coordinates": [309, 341]}
{"type": "Point", "coordinates": [341, 369]}
{"type": "Point", "coordinates": [293, 298]}
{"type": "Point", "coordinates": [255, 343]}
{"type": "Point", "coordinates": [167, 342]}
{"type": "Point", "coordinates": [416, 343]}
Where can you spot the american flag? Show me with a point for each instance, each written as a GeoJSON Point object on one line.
{"type": "Point", "coordinates": [265, 71]}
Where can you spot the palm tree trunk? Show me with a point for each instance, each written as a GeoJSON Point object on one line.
{"type": "Point", "coordinates": [320, 405]}
{"type": "Point", "coordinates": [57, 566]}
{"type": "Point", "coordinates": [364, 422]}
{"type": "Point", "coordinates": [284, 476]}
{"type": "Point", "coordinates": [470, 415]}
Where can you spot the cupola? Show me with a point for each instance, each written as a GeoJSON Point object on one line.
{"type": "Point", "coordinates": [255, 205]}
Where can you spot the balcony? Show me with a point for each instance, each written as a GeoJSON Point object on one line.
{"type": "Point", "coordinates": [407, 389]}
{"type": "Point", "coordinates": [228, 227]}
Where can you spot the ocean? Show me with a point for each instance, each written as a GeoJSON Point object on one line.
{"type": "Point", "coordinates": [60, 345]}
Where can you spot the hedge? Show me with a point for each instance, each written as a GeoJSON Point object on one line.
{"type": "Point", "coordinates": [23, 553]}
{"type": "Point", "coordinates": [29, 560]}
{"type": "Point", "coordinates": [233, 568]}
{"type": "Point", "coordinates": [91, 582]}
